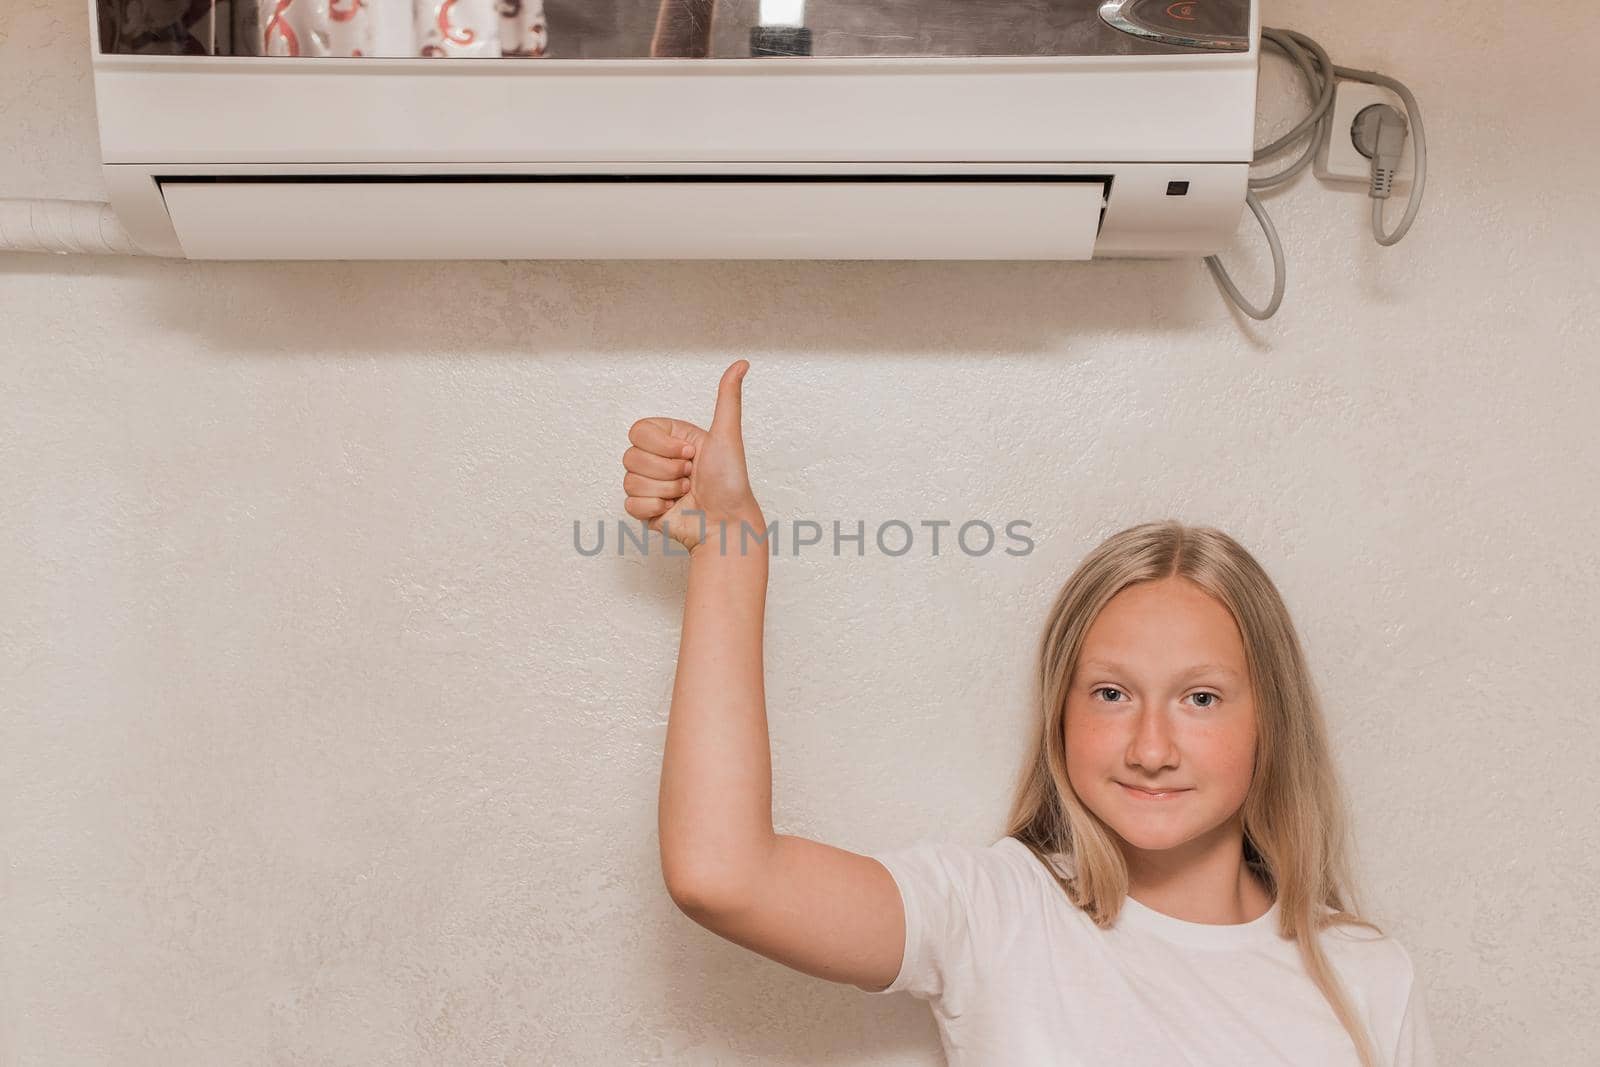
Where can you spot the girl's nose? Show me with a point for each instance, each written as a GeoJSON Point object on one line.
{"type": "Point", "coordinates": [1153, 746]}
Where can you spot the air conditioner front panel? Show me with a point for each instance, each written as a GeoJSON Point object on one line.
{"type": "Point", "coordinates": [1163, 109]}
{"type": "Point", "coordinates": [625, 218]}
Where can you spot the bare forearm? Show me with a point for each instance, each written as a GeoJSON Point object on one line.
{"type": "Point", "coordinates": [683, 29]}
{"type": "Point", "coordinates": [715, 808]}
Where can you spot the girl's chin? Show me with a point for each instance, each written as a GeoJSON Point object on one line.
{"type": "Point", "coordinates": [1152, 833]}
{"type": "Point", "coordinates": [1145, 841]}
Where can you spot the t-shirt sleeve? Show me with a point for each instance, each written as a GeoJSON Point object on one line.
{"type": "Point", "coordinates": [936, 879]}
{"type": "Point", "coordinates": [1414, 1048]}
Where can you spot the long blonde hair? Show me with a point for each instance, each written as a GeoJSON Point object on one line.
{"type": "Point", "coordinates": [1295, 821]}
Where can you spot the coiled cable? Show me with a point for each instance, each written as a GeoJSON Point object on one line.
{"type": "Point", "coordinates": [1322, 76]}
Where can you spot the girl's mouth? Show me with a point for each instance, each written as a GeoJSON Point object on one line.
{"type": "Point", "coordinates": [1145, 794]}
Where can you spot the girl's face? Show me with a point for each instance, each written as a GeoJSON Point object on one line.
{"type": "Point", "coordinates": [1161, 700]}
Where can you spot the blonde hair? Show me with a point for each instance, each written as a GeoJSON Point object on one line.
{"type": "Point", "coordinates": [1295, 822]}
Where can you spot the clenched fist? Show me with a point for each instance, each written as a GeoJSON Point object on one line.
{"type": "Point", "coordinates": [675, 467]}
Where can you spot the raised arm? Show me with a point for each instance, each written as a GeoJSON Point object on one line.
{"type": "Point", "coordinates": [683, 29]}
{"type": "Point", "coordinates": [819, 909]}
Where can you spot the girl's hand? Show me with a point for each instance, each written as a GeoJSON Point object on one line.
{"type": "Point", "coordinates": [674, 466]}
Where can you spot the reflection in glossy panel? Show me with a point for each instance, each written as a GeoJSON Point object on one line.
{"type": "Point", "coordinates": [644, 29]}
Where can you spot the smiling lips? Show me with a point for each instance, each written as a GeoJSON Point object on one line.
{"type": "Point", "coordinates": [1146, 794]}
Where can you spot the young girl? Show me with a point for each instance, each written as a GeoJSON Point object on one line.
{"type": "Point", "coordinates": [1173, 886]}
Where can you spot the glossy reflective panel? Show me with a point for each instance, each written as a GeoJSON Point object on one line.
{"type": "Point", "coordinates": [677, 29]}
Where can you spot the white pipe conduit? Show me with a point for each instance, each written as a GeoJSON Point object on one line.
{"type": "Point", "coordinates": [84, 227]}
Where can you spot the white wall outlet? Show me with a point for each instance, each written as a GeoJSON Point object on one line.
{"type": "Point", "coordinates": [1337, 158]}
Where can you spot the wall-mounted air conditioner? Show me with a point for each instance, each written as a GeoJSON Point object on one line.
{"type": "Point", "coordinates": [598, 129]}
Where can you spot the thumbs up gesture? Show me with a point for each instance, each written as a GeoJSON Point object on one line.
{"type": "Point", "coordinates": [674, 467]}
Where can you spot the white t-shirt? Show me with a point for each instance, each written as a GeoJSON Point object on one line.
{"type": "Point", "coordinates": [1019, 976]}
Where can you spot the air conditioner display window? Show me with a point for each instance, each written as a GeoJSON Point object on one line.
{"type": "Point", "coordinates": [673, 29]}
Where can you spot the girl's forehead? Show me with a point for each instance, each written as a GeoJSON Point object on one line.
{"type": "Point", "coordinates": [1172, 621]}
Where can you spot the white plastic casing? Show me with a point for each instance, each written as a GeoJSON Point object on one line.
{"type": "Point", "coordinates": [950, 158]}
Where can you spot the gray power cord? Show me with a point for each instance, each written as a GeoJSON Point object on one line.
{"type": "Point", "coordinates": [1380, 135]}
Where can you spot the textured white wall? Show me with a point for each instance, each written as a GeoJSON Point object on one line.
{"type": "Point", "coordinates": [321, 745]}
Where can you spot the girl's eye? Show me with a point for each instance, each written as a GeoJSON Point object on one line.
{"type": "Point", "coordinates": [1108, 689]}
{"type": "Point", "coordinates": [1211, 697]}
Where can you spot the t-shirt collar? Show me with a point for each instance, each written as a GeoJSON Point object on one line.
{"type": "Point", "coordinates": [1259, 932]}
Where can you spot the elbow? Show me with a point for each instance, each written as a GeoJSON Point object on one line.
{"type": "Point", "coordinates": [682, 887]}
{"type": "Point", "coordinates": [691, 903]}
{"type": "Point", "coordinates": [696, 894]}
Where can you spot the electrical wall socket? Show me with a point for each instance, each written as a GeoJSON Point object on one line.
{"type": "Point", "coordinates": [1337, 158]}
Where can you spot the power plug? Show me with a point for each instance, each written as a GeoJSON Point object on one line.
{"type": "Point", "coordinates": [1337, 157]}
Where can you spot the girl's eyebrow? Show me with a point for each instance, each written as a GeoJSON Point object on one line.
{"type": "Point", "coordinates": [1199, 668]}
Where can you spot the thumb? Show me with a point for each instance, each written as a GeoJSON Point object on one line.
{"type": "Point", "coordinates": [725, 417]}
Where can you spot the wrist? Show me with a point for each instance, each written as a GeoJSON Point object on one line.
{"type": "Point", "coordinates": [741, 532]}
